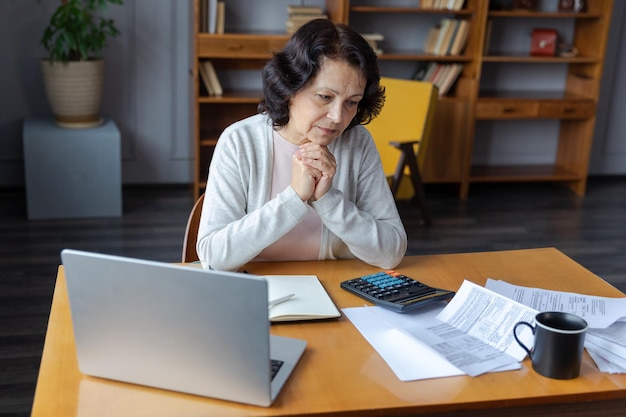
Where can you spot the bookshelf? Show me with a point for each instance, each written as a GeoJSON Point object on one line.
{"type": "Point", "coordinates": [497, 42]}
{"type": "Point", "coordinates": [566, 104]}
{"type": "Point", "coordinates": [406, 30]}
{"type": "Point", "coordinates": [237, 57]}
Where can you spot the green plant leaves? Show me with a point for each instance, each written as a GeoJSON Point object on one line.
{"type": "Point", "coordinates": [78, 31]}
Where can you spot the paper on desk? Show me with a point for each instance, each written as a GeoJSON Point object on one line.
{"type": "Point", "coordinates": [599, 312]}
{"type": "Point", "coordinates": [605, 361]}
{"type": "Point", "coordinates": [482, 323]}
{"type": "Point", "coordinates": [472, 334]}
{"type": "Point", "coordinates": [605, 340]}
{"type": "Point", "coordinates": [409, 358]}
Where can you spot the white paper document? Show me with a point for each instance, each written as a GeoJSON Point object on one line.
{"type": "Point", "coordinates": [409, 358]}
{"type": "Point", "coordinates": [607, 347]}
{"type": "Point", "coordinates": [599, 356]}
{"type": "Point", "coordinates": [472, 334]}
{"type": "Point", "coordinates": [599, 312]}
{"type": "Point", "coordinates": [483, 321]}
{"type": "Point", "coordinates": [606, 338]}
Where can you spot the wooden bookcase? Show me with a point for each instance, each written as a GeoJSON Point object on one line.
{"type": "Point", "coordinates": [233, 52]}
{"type": "Point", "coordinates": [472, 102]}
{"type": "Point", "coordinates": [571, 104]}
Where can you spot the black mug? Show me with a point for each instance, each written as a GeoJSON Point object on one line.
{"type": "Point", "coordinates": [558, 346]}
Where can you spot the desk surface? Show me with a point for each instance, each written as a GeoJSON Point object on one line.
{"type": "Point", "coordinates": [340, 372]}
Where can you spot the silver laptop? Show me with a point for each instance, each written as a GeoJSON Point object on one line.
{"type": "Point", "coordinates": [176, 327]}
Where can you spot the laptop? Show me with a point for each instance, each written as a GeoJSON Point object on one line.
{"type": "Point", "coordinates": [176, 327]}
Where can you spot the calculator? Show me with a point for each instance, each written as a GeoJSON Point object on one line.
{"type": "Point", "coordinates": [395, 291]}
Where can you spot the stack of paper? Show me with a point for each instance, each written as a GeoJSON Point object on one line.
{"type": "Point", "coordinates": [469, 335]}
{"type": "Point", "coordinates": [473, 333]}
{"type": "Point", "coordinates": [607, 347]}
{"type": "Point", "coordinates": [606, 338]}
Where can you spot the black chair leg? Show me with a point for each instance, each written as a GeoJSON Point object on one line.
{"type": "Point", "coordinates": [407, 157]}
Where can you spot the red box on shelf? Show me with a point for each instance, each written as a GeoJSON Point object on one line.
{"type": "Point", "coordinates": [543, 42]}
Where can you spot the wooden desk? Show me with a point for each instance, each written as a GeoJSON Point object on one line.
{"type": "Point", "coordinates": [340, 373]}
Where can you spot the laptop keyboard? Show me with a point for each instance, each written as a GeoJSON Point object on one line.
{"type": "Point", "coordinates": [275, 366]}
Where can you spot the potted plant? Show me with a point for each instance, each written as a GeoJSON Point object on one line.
{"type": "Point", "coordinates": [74, 70]}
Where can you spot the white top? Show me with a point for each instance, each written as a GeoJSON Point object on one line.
{"type": "Point", "coordinates": [240, 218]}
{"type": "Point", "coordinates": [302, 243]}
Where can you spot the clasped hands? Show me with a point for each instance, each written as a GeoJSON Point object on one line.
{"type": "Point", "coordinates": [313, 170]}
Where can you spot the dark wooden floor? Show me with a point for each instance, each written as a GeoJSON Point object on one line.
{"type": "Point", "coordinates": [496, 217]}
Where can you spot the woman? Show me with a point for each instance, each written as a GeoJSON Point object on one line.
{"type": "Point", "coordinates": [302, 180]}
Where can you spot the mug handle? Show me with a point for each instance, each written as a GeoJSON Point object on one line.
{"type": "Point", "coordinates": [523, 346]}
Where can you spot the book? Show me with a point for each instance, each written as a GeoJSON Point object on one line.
{"type": "Point", "coordinates": [431, 38]}
{"type": "Point", "coordinates": [220, 17]}
{"type": "Point", "coordinates": [440, 75]}
{"type": "Point", "coordinates": [294, 9]}
{"type": "Point", "coordinates": [448, 37]}
{"type": "Point", "coordinates": [299, 15]}
{"type": "Point", "coordinates": [212, 16]}
{"type": "Point", "coordinates": [432, 70]}
{"type": "Point", "coordinates": [205, 79]}
{"type": "Point", "coordinates": [373, 39]}
{"type": "Point", "coordinates": [444, 27]}
{"type": "Point", "coordinates": [450, 77]}
{"type": "Point", "coordinates": [422, 70]}
{"type": "Point", "coordinates": [202, 22]}
{"type": "Point", "coordinates": [310, 302]}
{"type": "Point", "coordinates": [214, 82]}
{"type": "Point", "coordinates": [460, 38]}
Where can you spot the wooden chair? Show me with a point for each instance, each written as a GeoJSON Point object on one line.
{"type": "Point", "coordinates": [404, 125]}
{"type": "Point", "coordinates": [191, 232]}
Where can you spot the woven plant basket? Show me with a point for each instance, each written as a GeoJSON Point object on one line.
{"type": "Point", "coordinates": [74, 91]}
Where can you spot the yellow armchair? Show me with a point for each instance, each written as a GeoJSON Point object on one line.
{"type": "Point", "coordinates": [401, 133]}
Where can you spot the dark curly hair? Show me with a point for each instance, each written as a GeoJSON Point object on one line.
{"type": "Point", "coordinates": [293, 68]}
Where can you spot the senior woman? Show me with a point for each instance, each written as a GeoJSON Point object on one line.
{"type": "Point", "coordinates": [302, 180]}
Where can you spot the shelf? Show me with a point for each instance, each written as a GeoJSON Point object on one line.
{"type": "Point", "coordinates": [234, 97]}
{"type": "Point", "coordinates": [521, 14]}
{"type": "Point", "coordinates": [406, 55]}
{"type": "Point", "coordinates": [526, 59]}
{"type": "Point", "coordinates": [521, 173]}
{"type": "Point", "coordinates": [527, 107]}
{"type": "Point", "coordinates": [531, 95]}
{"type": "Point", "coordinates": [417, 10]}
{"type": "Point", "coordinates": [239, 45]}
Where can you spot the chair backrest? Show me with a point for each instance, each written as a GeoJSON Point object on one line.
{"type": "Point", "coordinates": [191, 232]}
{"type": "Point", "coordinates": [407, 116]}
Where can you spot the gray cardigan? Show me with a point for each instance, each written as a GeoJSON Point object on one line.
{"type": "Point", "coordinates": [359, 215]}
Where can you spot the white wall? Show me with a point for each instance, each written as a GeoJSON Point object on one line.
{"type": "Point", "coordinates": [147, 86]}
{"type": "Point", "coordinates": [147, 89]}
{"type": "Point", "coordinates": [608, 154]}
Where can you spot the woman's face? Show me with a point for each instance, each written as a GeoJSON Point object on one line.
{"type": "Point", "coordinates": [322, 110]}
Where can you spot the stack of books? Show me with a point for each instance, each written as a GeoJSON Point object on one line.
{"type": "Point", "coordinates": [209, 78]}
{"type": "Point", "coordinates": [442, 4]}
{"type": "Point", "coordinates": [448, 37]}
{"type": "Point", "coordinates": [212, 14]}
{"type": "Point", "coordinates": [299, 15]}
{"type": "Point", "coordinates": [373, 39]}
{"type": "Point", "coordinates": [441, 75]}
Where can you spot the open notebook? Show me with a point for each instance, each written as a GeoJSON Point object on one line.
{"type": "Point", "coordinates": [310, 300]}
